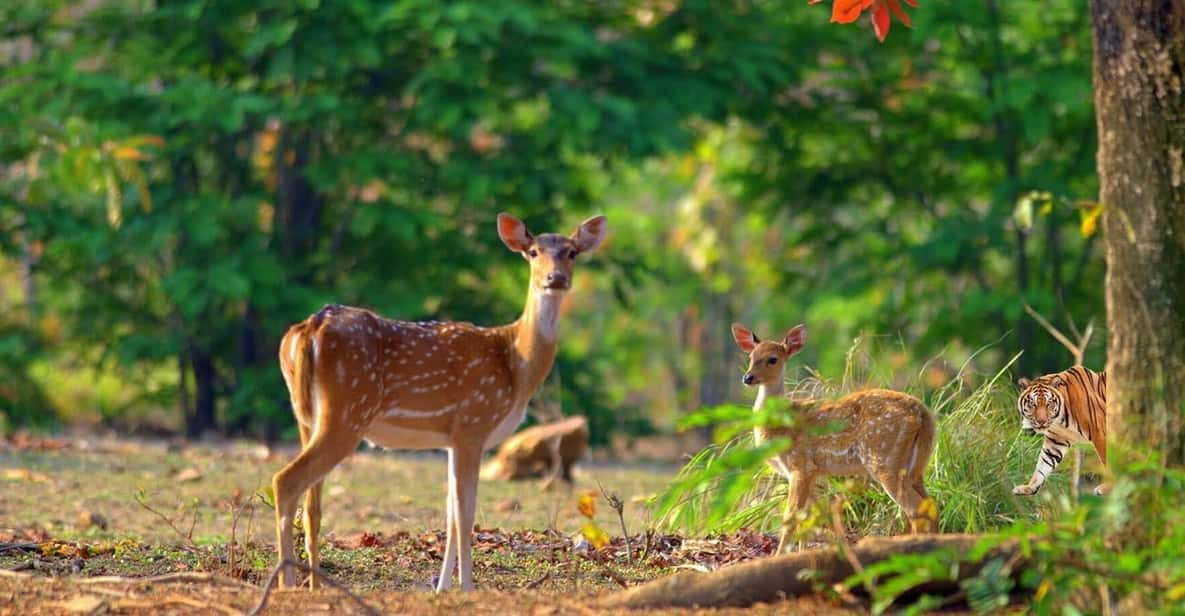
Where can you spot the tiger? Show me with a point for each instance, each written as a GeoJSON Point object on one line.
{"type": "Point", "coordinates": [1066, 408]}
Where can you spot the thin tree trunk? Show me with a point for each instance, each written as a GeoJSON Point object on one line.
{"type": "Point", "coordinates": [202, 419]}
{"type": "Point", "coordinates": [1139, 81]}
{"type": "Point", "coordinates": [183, 386]}
{"type": "Point", "coordinates": [715, 353]}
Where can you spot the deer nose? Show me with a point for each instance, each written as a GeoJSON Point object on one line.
{"type": "Point", "coordinates": [749, 378]}
{"type": "Point", "coordinates": [557, 280]}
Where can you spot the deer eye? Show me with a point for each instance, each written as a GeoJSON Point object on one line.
{"type": "Point", "coordinates": [533, 252]}
{"type": "Point", "coordinates": [572, 254]}
{"type": "Point", "coordinates": [771, 361]}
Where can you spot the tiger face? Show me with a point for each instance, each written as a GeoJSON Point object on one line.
{"type": "Point", "coordinates": [1040, 404]}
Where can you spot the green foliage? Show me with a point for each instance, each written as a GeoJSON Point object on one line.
{"type": "Point", "coordinates": [1072, 566]}
{"type": "Point", "coordinates": [187, 179]}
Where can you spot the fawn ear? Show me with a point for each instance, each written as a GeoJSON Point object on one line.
{"type": "Point", "coordinates": [794, 339]}
{"type": "Point", "coordinates": [1023, 382]}
{"type": "Point", "coordinates": [590, 234]}
{"type": "Point", "coordinates": [746, 339]}
{"type": "Point", "coordinates": [514, 233]}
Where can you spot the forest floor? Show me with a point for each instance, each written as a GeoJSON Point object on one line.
{"type": "Point", "coordinates": [105, 525]}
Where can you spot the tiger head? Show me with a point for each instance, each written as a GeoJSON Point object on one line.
{"type": "Point", "coordinates": [1041, 402]}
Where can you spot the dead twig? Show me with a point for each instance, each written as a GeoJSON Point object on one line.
{"type": "Point", "coordinates": [845, 549]}
{"type": "Point", "coordinates": [618, 506]}
{"type": "Point", "coordinates": [167, 578]}
{"type": "Point", "coordinates": [271, 582]}
{"type": "Point", "coordinates": [23, 547]}
{"type": "Point", "coordinates": [533, 584]}
{"type": "Point", "coordinates": [142, 500]}
{"type": "Point", "coordinates": [646, 548]}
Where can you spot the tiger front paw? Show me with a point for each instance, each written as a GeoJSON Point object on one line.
{"type": "Point", "coordinates": [1025, 490]}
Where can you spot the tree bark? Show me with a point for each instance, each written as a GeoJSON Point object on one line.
{"type": "Point", "coordinates": [1139, 84]}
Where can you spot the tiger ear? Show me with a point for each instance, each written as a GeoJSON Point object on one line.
{"type": "Point", "coordinates": [1023, 382]}
{"type": "Point", "coordinates": [1058, 381]}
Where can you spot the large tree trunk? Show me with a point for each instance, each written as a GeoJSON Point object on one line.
{"type": "Point", "coordinates": [1139, 83]}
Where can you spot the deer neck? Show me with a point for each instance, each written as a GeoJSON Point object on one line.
{"type": "Point", "coordinates": [766, 392]}
{"type": "Point", "coordinates": [533, 340]}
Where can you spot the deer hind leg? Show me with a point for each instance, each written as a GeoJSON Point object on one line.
{"type": "Point", "coordinates": [902, 488]}
{"type": "Point", "coordinates": [318, 457]}
{"type": "Point", "coordinates": [798, 496]}
{"type": "Point", "coordinates": [312, 514]}
{"type": "Point", "coordinates": [312, 530]}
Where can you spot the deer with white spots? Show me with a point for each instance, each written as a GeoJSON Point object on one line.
{"type": "Point", "coordinates": [885, 435]}
{"type": "Point", "coordinates": [354, 375]}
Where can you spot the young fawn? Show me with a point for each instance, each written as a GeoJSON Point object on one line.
{"type": "Point", "coordinates": [886, 435]}
{"type": "Point", "coordinates": [354, 375]}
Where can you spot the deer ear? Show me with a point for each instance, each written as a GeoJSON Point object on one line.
{"type": "Point", "coordinates": [1023, 382]}
{"type": "Point", "coordinates": [590, 234]}
{"type": "Point", "coordinates": [795, 339]}
{"type": "Point", "coordinates": [745, 338]}
{"type": "Point", "coordinates": [514, 233]}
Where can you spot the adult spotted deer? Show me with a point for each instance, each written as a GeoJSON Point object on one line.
{"type": "Point", "coordinates": [354, 375]}
{"type": "Point", "coordinates": [886, 435]}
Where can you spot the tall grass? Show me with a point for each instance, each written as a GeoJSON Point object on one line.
{"type": "Point", "coordinates": [980, 454]}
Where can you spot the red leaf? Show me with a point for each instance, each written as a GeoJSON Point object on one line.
{"type": "Point", "coordinates": [847, 11]}
{"type": "Point", "coordinates": [880, 22]}
{"type": "Point", "coordinates": [902, 16]}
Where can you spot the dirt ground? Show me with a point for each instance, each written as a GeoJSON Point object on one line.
{"type": "Point", "coordinates": [90, 526]}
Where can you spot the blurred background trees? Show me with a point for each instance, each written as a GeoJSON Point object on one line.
{"type": "Point", "coordinates": [183, 179]}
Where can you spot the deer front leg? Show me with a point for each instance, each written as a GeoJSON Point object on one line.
{"type": "Point", "coordinates": [450, 514]}
{"type": "Point", "coordinates": [1052, 452]}
{"type": "Point", "coordinates": [798, 495]}
{"type": "Point", "coordinates": [467, 469]}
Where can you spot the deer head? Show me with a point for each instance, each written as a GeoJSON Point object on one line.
{"type": "Point", "coordinates": [551, 255]}
{"type": "Point", "coordinates": [767, 360]}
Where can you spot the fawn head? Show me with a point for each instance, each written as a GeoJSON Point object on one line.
{"type": "Point", "coordinates": [551, 255]}
{"type": "Point", "coordinates": [767, 360]}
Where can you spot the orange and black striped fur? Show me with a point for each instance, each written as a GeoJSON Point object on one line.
{"type": "Point", "coordinates": [1066, 408]}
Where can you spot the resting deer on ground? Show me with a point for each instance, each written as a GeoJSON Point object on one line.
{"type": "Point", "coordinates": [354, 375]}
{"type": "Point", "coordinates": [885, 435]}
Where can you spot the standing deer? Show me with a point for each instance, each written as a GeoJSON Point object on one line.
{"type": "Point", "coordinates": [354, 375]}
{"type": "Point", "coordinates": [886, 435]}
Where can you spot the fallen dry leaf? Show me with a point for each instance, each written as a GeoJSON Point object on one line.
{"type": "Point", "coordinates": [87, 519]}
{"type": "Point", "coordinates": [507, 506]}
{"type": "Point", "coordinates": [24, 474]}
{"type": "Point", "coordinates": [189, 474]}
